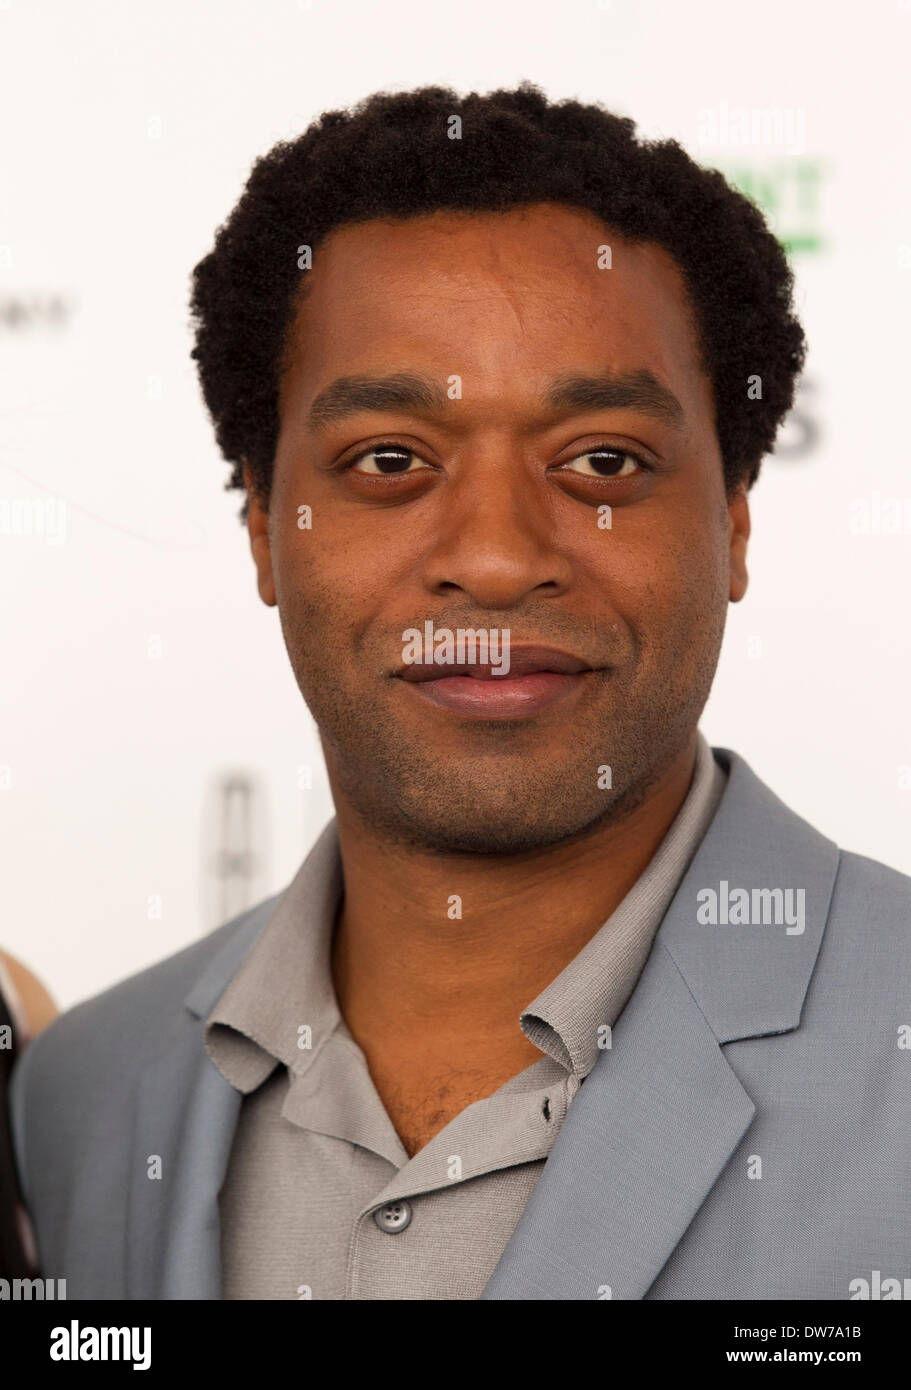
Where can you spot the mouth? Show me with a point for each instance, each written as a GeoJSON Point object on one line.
{"type": "Point", "coordinates": [536, 678]}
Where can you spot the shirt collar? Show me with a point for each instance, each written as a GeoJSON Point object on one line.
{"type": "Point", "coordinates": [280, 1006]}
{"type": "Point", "coordinates": [571, 1018]}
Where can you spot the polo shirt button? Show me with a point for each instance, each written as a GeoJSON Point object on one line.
{"type": "Point", "coordinates": [393, 1217]}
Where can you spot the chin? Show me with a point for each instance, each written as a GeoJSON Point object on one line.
{"type": "Point", "coordinates": [492, 833]}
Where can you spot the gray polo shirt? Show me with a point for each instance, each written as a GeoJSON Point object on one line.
{"type": "Point", "coordinates": [321, 1199]}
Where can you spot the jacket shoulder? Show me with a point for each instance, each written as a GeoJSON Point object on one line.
{"type": "Point", "coordinates": [871, 903]}
{"type": "Point", "coordinates": [887, 891]}
{"type": "Point", "coordinates": [115, 1032]}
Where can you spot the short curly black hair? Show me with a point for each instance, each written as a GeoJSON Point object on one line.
{"type": "Point", "coordinates": [391, 156]}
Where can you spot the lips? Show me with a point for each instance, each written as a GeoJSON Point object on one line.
{"type": "Point", "coordinates": [523, 661]}
{"type": "Point", "coordinates": [538, 677]}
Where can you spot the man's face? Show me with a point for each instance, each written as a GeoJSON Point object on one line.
{"type": "Point", "coordinates": [485, 510]}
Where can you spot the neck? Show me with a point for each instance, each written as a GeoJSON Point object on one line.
{"type": "Point", "coordinates": [406, 967]}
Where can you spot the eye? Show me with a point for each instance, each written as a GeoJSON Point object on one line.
{"type": "Point", "coordinates": [604, 462]}
{"type": "Point", "coordinates": [385, 460]}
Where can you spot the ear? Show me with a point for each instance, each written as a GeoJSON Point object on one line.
{"type": "Point", "coordinates": [258, 531]}
{"type": "Point", "coordinates": [738, 535]}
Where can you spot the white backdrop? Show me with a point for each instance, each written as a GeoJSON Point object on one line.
{"type": "Point", "coordinates": [139, 666]}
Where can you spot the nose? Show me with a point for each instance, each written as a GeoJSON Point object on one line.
{"type": "Point", "coordinates": [497, 538]}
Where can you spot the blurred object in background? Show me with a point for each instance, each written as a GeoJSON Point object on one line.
{"type": "Point", "coordinates": [235, 846]}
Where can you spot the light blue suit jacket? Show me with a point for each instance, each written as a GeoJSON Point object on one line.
{"type": "Point", "coordinates": [747, 1135]}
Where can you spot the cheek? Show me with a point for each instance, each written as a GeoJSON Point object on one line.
{"type": "Point", "coordinates": [667, 584]}
{"type": "Point", "coordinates": [365, 556]}
{"type": "Point", "coordinates": [329, 579]}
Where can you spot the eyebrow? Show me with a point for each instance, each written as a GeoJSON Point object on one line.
{"type": "Point", "coordinates": [639, 390]}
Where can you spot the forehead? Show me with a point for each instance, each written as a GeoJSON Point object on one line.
{"type": "Point", "coordinates": [528, 289]}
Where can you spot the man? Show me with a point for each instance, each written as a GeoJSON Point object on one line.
{"type": "Point", "coordinates": [25, 1009]}
{"type": "Point", "coordinates": [562, 1005]}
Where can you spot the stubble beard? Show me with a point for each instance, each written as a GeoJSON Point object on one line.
{"type": "Point", "coordinates": [507, 795]}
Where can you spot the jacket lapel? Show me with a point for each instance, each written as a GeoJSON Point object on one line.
{"type": "Point", "coordinates": [185, 1114]}
{"type": "Point", "coordinates": [643, 1142]}
{"type": "Point", "coordinates": [662, 1111]}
